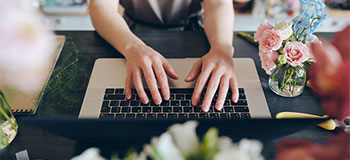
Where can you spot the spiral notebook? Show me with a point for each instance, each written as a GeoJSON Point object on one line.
{"type": "Point", "coordinates": [27, 104]}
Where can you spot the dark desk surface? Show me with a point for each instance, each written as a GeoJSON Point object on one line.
{"type": "Point", "coordinates": [172, 44]}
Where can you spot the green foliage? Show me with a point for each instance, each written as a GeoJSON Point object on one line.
{"type": "Point", "coordinates": [209, 146]}
{"type": "Point", "coordinates": [66, 87]}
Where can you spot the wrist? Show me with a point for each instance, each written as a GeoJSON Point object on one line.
{"type": "Point", "coordinates": [223, 48]}
{"type": "Point", "coordinates": [132, 49]}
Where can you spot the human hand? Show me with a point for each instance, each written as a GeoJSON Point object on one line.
{"type": "Point", "coordinates": [218, 65]}
{"type": "Point", "coordinates": [144, 61]}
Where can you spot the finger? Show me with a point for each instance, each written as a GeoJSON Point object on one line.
{"type": "Point", "coordinates": [211, 89]}
{"type": "Point", "coordinates": [169, 70]}
{"type": "Point", "coordinates": [128, 85]}
{"type": "Point", "coordinates": [234, 88]}
{"type": "Point", "coordinates": [194, 71]}
{"type": "Point", "coordinates": [137, 78]}
{"type": "Point", "coordinates": [162, 80]}
{"type": "Point", "coordinates": [202, 80]}
{"type": "Point", "coordinates": [224, 85]}
{"type": "Point", "coordinates": [152, 84]}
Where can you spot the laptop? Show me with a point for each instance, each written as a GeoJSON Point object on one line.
{"type": "Point", "coordinates": [105, 98]}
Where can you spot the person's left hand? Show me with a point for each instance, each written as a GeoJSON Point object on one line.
{"type": "Point", "coordinates": [218, 65]}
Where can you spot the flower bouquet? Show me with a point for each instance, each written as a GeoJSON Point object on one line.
{"type": "Point", "coordinates": [284, 51]}
{"type": "Point", "coordinates": [181, 142]}
{"type": "Point", "coordinates": [26, 48]}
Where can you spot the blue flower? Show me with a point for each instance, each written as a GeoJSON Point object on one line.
{"type": "Point", "coordinates": [312, 8]}
{"type": "Point", "coordinates": [317, 23]}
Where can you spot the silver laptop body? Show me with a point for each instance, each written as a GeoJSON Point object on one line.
{"type": "Point", "coordinates": [111, 73]}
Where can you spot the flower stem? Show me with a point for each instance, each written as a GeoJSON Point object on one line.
{"type": "Point", "coordinates": [3, 105]}
{"type": "Point", "coordinates": [274, 74]}
{"type": "Point", "coordinates": [289, 77]}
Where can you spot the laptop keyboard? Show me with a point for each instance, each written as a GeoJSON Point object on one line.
{"type": "Point", "coordinates": [116, 106]}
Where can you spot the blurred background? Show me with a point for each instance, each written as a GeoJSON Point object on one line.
{"type": "Point", "coordinates": [74, 14]}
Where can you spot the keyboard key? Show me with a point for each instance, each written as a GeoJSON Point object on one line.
{"type": "Point", "coordinates": [146, 109]}
{"type": "Point", "coordinates": [133, 91]}
{"type": "Point", "coordinates": [227, 103]}
{"type": "Point", "coordinates": [228, 109]}
{"type": "Point", "coordinates": [164, 103]}
{"type": "Point", "coordinates": [185, 103]}
{"type": "Point", "coordinates": [167, 109]}
{"type": "Point", "coordinates": [130, 116]}
{"type": "Point", "coordinates": [136, 109]}
{"type": "Point", "coordinates": [114, 97]}
{"type": "Point", "coordinates": [180, 97]}
{"type": "Point", "coordinates": [177, 109]}
{"type": "Point", "coordinates": [124, 103]}
{"type": "Point", "coordinates": [240, 90]}
{"type": "Point", "coordinates": [241, 96]}
{"type": "Point", "coordinates": [151, 116]}
{"type": "Point", "coordinates": [161, 116]}
{"type": "Point", "coordinates": [114, 103]}
{"type": "Point", "coordinates": [142, 104]}
{"type": "Point", "coordinates": [188, 96]}
{"type": "Point", "coordinates": [109, 91]}
{"type": "Point", "coordinates": [119, 116]}
{"type": "Point", "coordinates": [240, 102]}
{"type": "Point", "coordinates": [188, 109]}
{"type": "Point", "coordinates": [204, 116]}
{"type": "Point", "coordinates": [214, 116]}
{"type": "Point", "coordinates": [106, 116]}
{"type": "Point", "coordinates": [105, 104]}
{"type": "Point", "coordinates": [175, 103]}
{"type": "Point", "coordinates": [156, 109]}
{"type": "Point", "coordinates": [193, 116]}
{"type": "Point", "coordinates": [137, 97]}
{"type": "Point", "coordinates": [172, 97]}
{"type": "Point", "coordinates": [115, 109]}
{"type": "Point", "coordinates": [105, 109]}
{"type": "Point", "coordinates": [211, 109]}
{"type": "Point", "coordinates": [234, 116]}
{"type": "Point", "coordinates": [153, 104]}
{"type": "Point", "coordinates": [183, 116]}
{"type": "Point", "coordinates": [181, 90]}
{"type": "Point", "coordinates": [197, 109]}
{"type": "Point", "coordinates": [245, 115]}
{"type": "Point", "coordinates": [241, 109]}
{"type": "Point", "coordinates": [140, 116]}
{"type": "Point", "coordinates": [225, 116]}
{"type": "Point", "coordinates": [119, 91]}
{"type": "Point", "coordinates": [172, 116]}
{"type": "Point", "coordinates": [125, 109]}
{"type": "Point", "coordinates": [134, 103]}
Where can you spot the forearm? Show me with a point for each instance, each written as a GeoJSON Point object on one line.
{"type": "Point", "coordinates": [218, 22]}
{"type": "Point", "coordinates": [111, 25]}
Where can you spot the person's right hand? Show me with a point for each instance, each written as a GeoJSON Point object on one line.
{"type": "Point", "coordinates": [144, 61]}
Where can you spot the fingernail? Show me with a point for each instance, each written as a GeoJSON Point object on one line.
{"type": "Point", "coordinates": [205, 108]}
{"type": "Point", "coordinates": [220, 107]}
{"type": "Point", "coordinates": [158, 100]}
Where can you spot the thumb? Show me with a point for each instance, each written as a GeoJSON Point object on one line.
{"type": "Point", "coordinates": [194, 71]}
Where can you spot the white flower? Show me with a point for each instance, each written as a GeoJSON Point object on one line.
{"type": "Point", "coordinates": [166, 147]}
{"type": "Point", "coordinates": [26, 46]}
{"type": "Point", "coordinates": [245, 150]}
{"type": "Point", "coordinates": [285, 28]}
{"type": "Point", "coordinates": [89, 154]}
{"type": "Point", "coordinates": [185, 137]}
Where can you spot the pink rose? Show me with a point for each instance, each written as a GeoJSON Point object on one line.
{"type": "Point", "coordinates": [265, 25]}
{"type": "Point", "coordinates": [268, 60]}
{"type": "Point", "coordinates": [271, 40]}
{"type": "Point", "coordinates": [297, 53]}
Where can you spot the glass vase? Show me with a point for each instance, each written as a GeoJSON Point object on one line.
{"type": "Point", "coordinates": [8, 124]}
{"type": "Point", "coordinates": [287, 81]}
